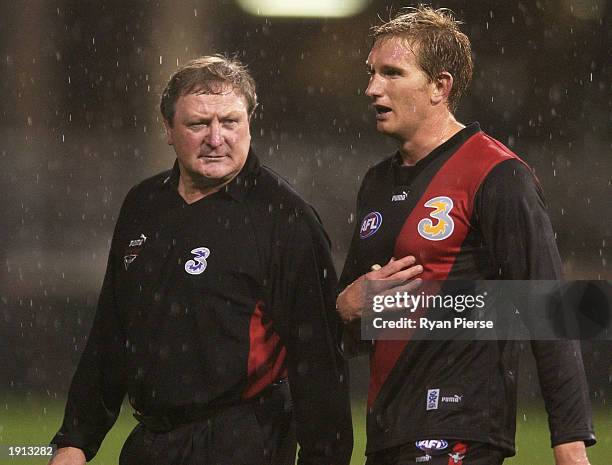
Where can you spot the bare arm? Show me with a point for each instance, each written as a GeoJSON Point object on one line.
{"type": "Point", "coordinates": [68, 456]}
{"type": "Point", "coordinates": [571, 453]}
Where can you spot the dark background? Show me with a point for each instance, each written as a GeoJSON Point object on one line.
{"type": "Point", "coordinates": [79, 125]}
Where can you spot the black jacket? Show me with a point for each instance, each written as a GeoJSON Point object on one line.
{"type": "Point", "coordinates": [207, 304]}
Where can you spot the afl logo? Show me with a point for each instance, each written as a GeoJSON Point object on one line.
{"type": "Point", "coordinates": [444, 225]}
{"type": "Point", "coordinates": [429, 445]}
{"type": "Point", "coordinates": [370, 224]}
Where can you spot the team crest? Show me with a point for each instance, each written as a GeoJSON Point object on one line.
{"type": "Point", "coordinates": [444, 224]}
{"type": "Point", "coordinates": [457, 457]}
{"type": "Point", "coordinates": [370, 224]}
{"type": "Point", "coordinates": [198, 264]}
{"type": "Point", "coordinates": [458, 454]}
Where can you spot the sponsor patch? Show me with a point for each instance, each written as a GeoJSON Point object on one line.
{"type": "Point", "coordinates": [399, 197]}
{"type": "Point", "coordinates": [138, 242]}
{"type": "Point", "coordinates": [370, 224]}
{"type": "Point", "coordinates": [429, 445]}
{"type": "Point", "coordinates": [444, 225]}
{"type": "Point", "coordinates": [433, 396]}
{"type": "Point", "coordinates": [423, 458]}
{"type": "Point", "coordinates": [199, 263]}
{"type": "Point", "coordinates": [133, 250]}
{"type": "Point", "coordinates": [455, 399]}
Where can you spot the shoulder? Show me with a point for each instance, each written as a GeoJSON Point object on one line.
{"type": "Point", "coordinates": [274, 190]}
{"type": "Point", "coordinates": [502, 169]}
{"type": "Point", "coordinates": [150, 186]}
{"type": "Point", "coordinates": [488, 146]}
{"type": "Point", "coordinates": [511, 175]}
{"type": "Point", "coordinates": [145, 191]}
{"type": "Point", "coordinates": [276, 198]}
{"type": "Point", "coordinates": [510, 184]}
{"type": "Point", "coordinates": [273, 185]}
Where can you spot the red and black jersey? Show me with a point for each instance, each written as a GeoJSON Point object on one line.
{"type": "Point", "coordinates": [207, 304]}
{"type": "Point", "coordinates": [470, 210]}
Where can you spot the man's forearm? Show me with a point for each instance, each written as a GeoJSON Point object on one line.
{"type": "Point", "coordinates": [68, 456]}
{"type": "Point", "coordinates": [571, 453]}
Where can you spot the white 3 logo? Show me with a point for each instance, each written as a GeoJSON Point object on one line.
{"type": "Point", "coordinates": [445, 225]}
{"type": "Point", "coordinates": [198, 264]}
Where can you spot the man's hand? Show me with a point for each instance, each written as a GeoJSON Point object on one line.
{"type": "Point", "coordinates": [68, 456]}
{"type": "Point", "coordinates": [351, 301]}
{"type": "Point", "coordinates": [571, 453]}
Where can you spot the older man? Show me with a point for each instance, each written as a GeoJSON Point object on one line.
{"type": "Point", "coordinates": [218, 300]}
{"type": "Point", "coordinates": [451, 204]}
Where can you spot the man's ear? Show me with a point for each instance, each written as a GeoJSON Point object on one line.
{"type": "Point", "coordinates": [168, 132]}
{"type": "Point", "coordinates": [442, 88]}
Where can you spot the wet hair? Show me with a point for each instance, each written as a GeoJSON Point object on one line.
{"type": "Point", "coordinates": [208, 75]}
{"type": "Point", "coordinates": [438, 44]}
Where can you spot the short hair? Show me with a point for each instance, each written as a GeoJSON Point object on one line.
{"type": "Point", "coordinates": [439, 45]}
{"type": "Point", "coordinates": [208, 75]}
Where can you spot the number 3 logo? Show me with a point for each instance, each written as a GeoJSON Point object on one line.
{"type": "Point", "coordinates": [198, 264]}
{"type": "Point", "coordinates": [445, 224]}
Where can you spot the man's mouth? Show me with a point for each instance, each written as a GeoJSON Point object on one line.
{"type": "Point", "coordinates": [381, 111]}
{"type": "Point", "coordinates": [212, 157]}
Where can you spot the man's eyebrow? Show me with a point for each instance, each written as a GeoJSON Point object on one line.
{"type": "Point", "coordinates": [387, 68]}
{"type": "Point", "coordinates": [198, 118]}
{"type": "Point", "coordinates": [230, 114]}
{"type": "Point", "coordinates": [209, 116]}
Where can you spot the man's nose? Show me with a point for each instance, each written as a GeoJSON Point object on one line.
{"type": "Point", "coordinates": [214, 138]}
{"type": "Point", "coordinates": [374, 88]}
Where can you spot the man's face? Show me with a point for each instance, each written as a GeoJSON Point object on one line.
{"type": "Point", "coordinates": [211, 137]}
{"type": "Point", "coordinates": [399, 88]}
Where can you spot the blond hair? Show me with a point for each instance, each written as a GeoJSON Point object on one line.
{"type": "Point", "coordinates": [439, 45]}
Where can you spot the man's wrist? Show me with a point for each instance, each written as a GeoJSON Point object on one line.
{"type": "Point", "coordinates": [341, 306]}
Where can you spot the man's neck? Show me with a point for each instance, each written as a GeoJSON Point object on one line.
{"type": "Point", "coordinates": [430, 135]}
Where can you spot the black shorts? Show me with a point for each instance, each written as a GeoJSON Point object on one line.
{"type": "Point", "coordinates": [260, 432]}
{"type": "Point", "coordinates": [438, 452]}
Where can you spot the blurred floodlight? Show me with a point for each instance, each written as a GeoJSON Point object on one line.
{"type": "Point", "coordinates": [304, 8]}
